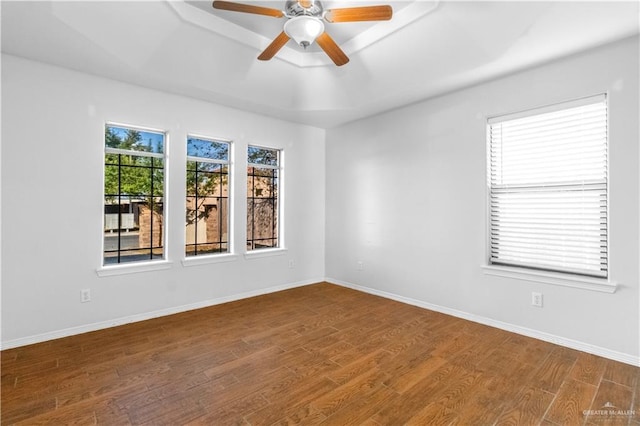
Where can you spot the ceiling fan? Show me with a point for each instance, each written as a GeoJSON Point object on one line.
{"type": "Point", "coordinates": [305, 23]}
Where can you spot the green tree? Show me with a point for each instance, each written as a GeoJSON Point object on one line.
{"type": "Point", "coordinates": [205, 179]}
{"type": "Point", "coordinates": [137, 177]}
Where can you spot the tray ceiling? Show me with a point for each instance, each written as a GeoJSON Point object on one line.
{"type": "Point", "coordinates": [429, 48]}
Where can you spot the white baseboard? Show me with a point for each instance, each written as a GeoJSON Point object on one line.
{"type": "Point", "coordinates": [547, 337]}
{"type": "Point", "coordinates": [29, 340]}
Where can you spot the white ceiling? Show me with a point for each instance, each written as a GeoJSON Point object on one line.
{"type": "Point", "coordinates": [427, 49]}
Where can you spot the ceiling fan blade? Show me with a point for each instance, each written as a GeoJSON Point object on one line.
{"type": "Point", "coordinates": [365, 13]}
{"type": "Point", "coordinates": [274, 47]}
{"type": "Point", "coordinates": [247, 8]}
{"type": "Point", "coordinates": [330, 47]}
{"type": "Point", "coordinates": [306, 3]}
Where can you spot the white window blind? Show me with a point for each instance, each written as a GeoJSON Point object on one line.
{"type": "Point", "coordinates": [548, 188]}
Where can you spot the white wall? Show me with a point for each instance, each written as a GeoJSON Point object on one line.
{"type": "Point", "coordinates": [406, 195]}
{"type": "Point", "coordinates": [52, 164]}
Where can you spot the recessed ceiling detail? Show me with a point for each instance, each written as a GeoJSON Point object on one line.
{"type": "Point", "coordinates": [351, 42]}
{"type": "Point", "coordinates": [427, 49]}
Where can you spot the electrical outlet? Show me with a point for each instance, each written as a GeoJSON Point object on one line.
{"type": "Point", "coordinates": [292, 264]}
{"type": "Point", "coordinates": [85, 295]}
{"type": "Point", "coordinates": [360, 265]}
{"type": "Point", "coordinates": [536, 299]}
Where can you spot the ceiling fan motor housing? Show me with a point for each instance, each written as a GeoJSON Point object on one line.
{"type": "Point", "coordinates": [299, 8]}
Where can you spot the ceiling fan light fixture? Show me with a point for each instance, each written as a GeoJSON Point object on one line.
{"type": "Point", "coordinates": [304, 29]}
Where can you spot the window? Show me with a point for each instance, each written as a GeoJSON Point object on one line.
{"type": "Point", "coordinates": [207, 213]}
{"type": "Point", "coordinates": [547, 177]}
{"type": "Point", "coordinates": [262, 198]}
{"type": "Point", "coordinates": [133, 195]}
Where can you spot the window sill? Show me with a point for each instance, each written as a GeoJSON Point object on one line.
{"type": "Point", "coordinates": [567, 280]}
{"type": "Point", "coordinates": [108, 271]}
{"type": "Point", "coordinates": [257, 254]}
{"type": "Point", "coordinates": [209, 259]}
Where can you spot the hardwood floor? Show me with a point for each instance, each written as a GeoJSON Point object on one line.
{"type": "Point", "coordinates": [319, 354]}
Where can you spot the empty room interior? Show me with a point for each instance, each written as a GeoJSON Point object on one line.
{"type": "Point", "coordinates": [305, 212]}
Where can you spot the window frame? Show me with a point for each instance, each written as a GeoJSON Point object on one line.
{"type": "Point", "coordinates": [216, 256]}
{"type": "Point", "coordinates": [280, 248]}
{"type": "Point", "coordinates": [147, 264]}
{"type": "Point", "coordinates": [553, 275]}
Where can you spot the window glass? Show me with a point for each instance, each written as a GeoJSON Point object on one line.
{"type": "Point", "coordinates": [133, 195]}
{"type": "Point", "coordinates": [263, 156]}
{"type": "Point", "coordinates": [263, 173]}
{"type": "Point", "coordinates": [203, 148]}
{"type": "Point", "coordinates": [207, 207]}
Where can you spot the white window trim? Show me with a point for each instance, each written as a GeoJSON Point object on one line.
{"type": "Point", "coordinates": [142, 266]}
{"type": "Point", "coordinates": [281, 249]}
{"type": "Point", "coordinates": [209, 259]}
{"type": "Point", "coordinates": [132, 268]}
{"type": "Point", "coordinates": [230, 255]}
{"type": "Point", "coordinates": [558, 106]}
{"type": "Point", "coordinates": [555, 278]}
{"type": "Point", "coordinates": [109, 150]}
{"type": "Point", "coordinates": [568, 279]}
{"type": "Point", "coordinates": [260, 253]}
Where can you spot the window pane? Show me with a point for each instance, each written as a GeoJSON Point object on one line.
{"type": "Point", "coordinates": [542, 149]}
{"type": "Point", "coordinates": [207, 203]}
{"type": "Point", "coordinates": [134, 140]}
{"type": "Point", "coordinates": [263, 156]}
{"type": "Point", "coordinates": [158, 183]}
{"type": "Point", "coordinates": [262, 223]}
{"type": "Point", "coordinates": [262, 199]}
{"type": "Point", "coordinates": [207, 149]}
{"type": "Point", "coordinates": [133, 197]}
{"type": "Point", "coordinates": [111, 159]}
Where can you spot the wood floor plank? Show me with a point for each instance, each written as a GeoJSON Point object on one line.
{"type": "Point", "coordinates": [319, 354]}
{"type": "Point", "coordinates": [529, 408]}
{"type": "Point", "coordinates": [509, 373]}
{"type": "Point", "coordinates": [26, 409]}
{"type": "Point", "coordinates": [635, 420]}
{"type": "Point", "coordinates": [588, 369]}
{"type": "Point", "coordinates": [483, 404]}
{"type": "Point", "coordinates": [230, 413]}
{"type": "Point", "coordinates": [110, 413]}
{"type": "Point", "coordinates": [357, 387]}
{"type": "Point", "coordinates": [176, 410]}
{"type": "Point", "coordinates": [433, 414]}
{"type": "Point", "coordinates": [457, 391]}
{"type": "Point", "coordinates": [265, 359]}
{"type": "Point", "coordinates": [527, 350]}
{"type": "Point", "coordinates": [552, 372]}
{"type": "Point", "coordinates": [612, 404]}
{"type": "Point", "coordinates": [403, 379]}
{"type": "Point", "coordinates": [573, 398]}
{"type": "Point", "coordinates": [314, 367]}
{"type": "Point", "coordinates": [361, 408]}
{"type": "Point", "coordinates": [287, 403]}
{"type": "Point", "coordinates": [362, 365]}
{"type": "Point", "coordinates": [425, 391]}
{"type": "Point", "coordinates": [414, 342]}
{"type": "Point", "coordinates": [272, 381]}
{"type": "Point", "coordinates": [623, 374]}
{"type": "Point", "coordinates": [84, 411]}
